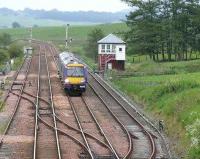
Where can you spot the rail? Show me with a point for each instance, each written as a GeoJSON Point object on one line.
{"type": "Point", "coordinates": [36, 109]}
{"type": "Point", "coordinates": [53, 109]}
{"type": "Point", "coordinates": [152, 142]}
{"type": "Point", "coordinates": [18, 100]}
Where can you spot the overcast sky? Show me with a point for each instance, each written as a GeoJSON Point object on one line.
{"type": "Point", "coordinates": [66, 5]}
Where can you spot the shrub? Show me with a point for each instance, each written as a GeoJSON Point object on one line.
{"type": "Point", "coordinates": [3, 55]}
{"type": "Point", "coordinates": [15, 51]}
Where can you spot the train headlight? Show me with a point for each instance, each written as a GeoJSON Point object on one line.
{"type": "Point", "coordinates": [66, 80]}
{"type": "Point", "coordinates": [83, 81]}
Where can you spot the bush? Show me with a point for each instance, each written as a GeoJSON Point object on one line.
{"type": "Point", "coordinates": [15, 51]}
{"type": "Point", "coordinates": [5, 39]}
{"type": "Point", "coordinates": [3, 56]}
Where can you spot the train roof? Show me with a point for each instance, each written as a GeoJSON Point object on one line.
{"type": "Point", "coordinates": [66, 57]}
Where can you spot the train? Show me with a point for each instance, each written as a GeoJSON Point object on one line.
{"type": "Point", "coordinates": [72, 72]}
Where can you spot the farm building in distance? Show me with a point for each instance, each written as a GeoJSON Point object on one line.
{"type": "Point", "coordinates": [111, 53]}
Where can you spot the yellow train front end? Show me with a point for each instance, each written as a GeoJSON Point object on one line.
{"type": "Point", "coordinates": [75, 78]}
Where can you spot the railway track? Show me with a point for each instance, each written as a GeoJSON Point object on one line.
{"type": "Point", "coordinates": [99, 147]}
{"type": "Point", "coordinates": [18, 85]}
{"type": "Point", "coordinates": [45, 140]}
{"type": "Point", "coordinates": [128, 121]}
{"type": "Point", "coordinates": [80, 107]}
{"type": "Point", "coordinates": [150, 151]}
{"type": "Point", "coordinates": [95, 125]}
{"type": "Point", "coordinates": [143, 133]}
{"type": "Point", "coordinates": [88, 123]}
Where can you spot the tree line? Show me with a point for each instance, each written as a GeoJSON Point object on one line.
{"type": "Point", "coordinates": [8, 50]}
{"type": "Point", "coordinates": [91, 47]}
{"type": "Point", "coordinates": [164, 28]}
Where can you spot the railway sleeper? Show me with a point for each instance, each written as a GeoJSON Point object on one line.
{"type": "Point", "coordinates": [133, 136]}
{"type": "Point", "coordinates": [45, 112]}
{"type": "Point", "coordinates": [104, 157]}
{"type": "Point", "coordinates": [18, 82]}
{"type": "Point", "coordinates": [150, 132]}
{"type": "Point", "coordinates": [47, 108]}
{"type": "Point", "coordinates": [83, 155]}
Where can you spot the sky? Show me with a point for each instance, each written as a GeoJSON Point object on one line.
{"type": "Point", "coordinates": [66, 5]}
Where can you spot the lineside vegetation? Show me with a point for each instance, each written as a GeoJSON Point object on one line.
{"type": "Point", "coordinates": [164, 27]}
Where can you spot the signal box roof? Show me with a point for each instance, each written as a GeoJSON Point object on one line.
{"type": "Point", "coordinates": [111, 39]}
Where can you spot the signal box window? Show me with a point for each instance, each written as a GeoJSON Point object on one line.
{"type": "Point", "coordinates": [113, 48]}
{"type": "Point", "coordinates": [120, 49]}
{"type": "Point", "coordinates": [103, 48]}
{"type": "Point", "coordinates": [108, 48]}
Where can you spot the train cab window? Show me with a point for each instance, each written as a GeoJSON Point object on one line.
{"type": "Point", "coordinates": [75, 71]}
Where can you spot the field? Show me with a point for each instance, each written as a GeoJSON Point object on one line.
{"type": "Point", "coordinates": [7, 20]}
{"type": "Point", "coordinates": [167, 90]}
{"type": "Point", "coordinates": [78, 33]}
{"type": "Point", "coordinates": [57, 35]}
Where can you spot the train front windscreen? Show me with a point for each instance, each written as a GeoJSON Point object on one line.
{"type": "Point", "coordinates": [75, 71]}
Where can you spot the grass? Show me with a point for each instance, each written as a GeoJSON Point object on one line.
{"type": "Point", "coordinates": [170, 97]}
{"type": "Point", "coordinates": [1, 105]}
{"type": "Point", "coordinates": [18, 62]}
{"type": "Point", "coordinates": [3, 127]}
{"type": "Point", "coordinates": [78, 33]}
{"type": "Point", "coordinates": [161, 68]}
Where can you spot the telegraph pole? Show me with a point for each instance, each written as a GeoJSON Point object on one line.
{"type": "Point", "coordinates": [31, 34]}
{"type": "Point", "coordinates": [66, 38]}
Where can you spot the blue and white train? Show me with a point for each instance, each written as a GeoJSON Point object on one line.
{"type": "Point", "coordinates": [72, 72]}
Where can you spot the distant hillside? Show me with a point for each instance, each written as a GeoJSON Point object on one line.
{"type": "Point", "coordinates": [28, 17]}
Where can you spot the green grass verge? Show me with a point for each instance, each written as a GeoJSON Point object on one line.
{"type": "Point", "coordinates": [161, 68]}
{"type": "Point", "coordinates": [18, 62]}
{"type": "Point", "coordinates": [3, 127]}
{"type": "Point", "coordinates": [174, 98]}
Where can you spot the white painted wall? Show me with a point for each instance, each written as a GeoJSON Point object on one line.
{"type": "Point", "coordinates": [121, 55]}
{"type": "Point", "coordinates": [99, 48]}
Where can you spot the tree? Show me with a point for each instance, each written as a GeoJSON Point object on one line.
{"type": "Point", "coordinates": [169, 27]}
{"type": "Point", "coordinates": [144, 28]}
{"type": "Point", "coordinates": [16, 25]}
{"type": "Point", "coordinates": [5, 39]}
{"type": "Point", "coordinates": [15, 51]}
{"type": "Point", "coordinates": [92, 47]}
{"type": "Point", "coordinates": [3, 55]}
